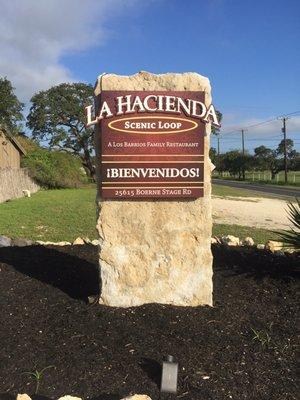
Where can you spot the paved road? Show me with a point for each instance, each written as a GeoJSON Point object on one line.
{"type": "Point", "coordinates": [276, 191]}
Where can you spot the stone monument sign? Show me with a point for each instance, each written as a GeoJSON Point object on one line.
{"type": "Point", "coordinates": [154, 188]}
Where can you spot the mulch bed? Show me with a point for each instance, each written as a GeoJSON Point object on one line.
{"type": "Point", "coordinates": [104, 353]}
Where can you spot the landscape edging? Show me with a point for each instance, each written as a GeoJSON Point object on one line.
{"type": "Point", "coordinates": [272, 246]}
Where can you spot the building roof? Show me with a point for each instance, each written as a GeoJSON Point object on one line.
{"type": "Point", "coordinates": [14, 141]}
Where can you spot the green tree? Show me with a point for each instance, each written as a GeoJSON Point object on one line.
{"type": "Point", "coordinates": [265, 159]}
{"type": "Point", "coordinates": [289, 147]}
{"type": "Point", "coordinates": [295, 162]}
{"type": "Point", "coordinates": [215, 130]}
{"type": "Point", "coordinates": [57, 116]}
{"type": "Point", "coordinates": [10, 107]}
{"type": "Point", "coordinates": [213, 155]}
{"type": "Point", "coordinates": [236, 162]}
{"type": "Point", "coordinates": [216, 159]}
{"type": "Point", "coordinates": [292, 155]}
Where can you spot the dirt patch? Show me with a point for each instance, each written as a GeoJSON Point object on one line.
{"type": "Point", "coordinates": [102, 353]}
{"type": "Point", "coordinates": [254, 212]}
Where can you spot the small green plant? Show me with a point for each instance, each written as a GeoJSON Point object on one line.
{"type": "Point", "coordinates": [291, 238]}
{"type": "Point", "coordinates": [262, 336]}
{"type": "Point", "coordinates": [38, 376]}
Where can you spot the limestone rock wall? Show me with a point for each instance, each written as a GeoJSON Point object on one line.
{"type": "Point", "coordinates": [13, 181]}
{"type": "Point", "coordinates": [156, 251]}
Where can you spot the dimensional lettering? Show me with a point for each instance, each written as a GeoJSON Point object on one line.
{"type": "Point", "coordinates": [129, 104]}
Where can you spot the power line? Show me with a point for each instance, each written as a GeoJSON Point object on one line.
{"type": "Point", "coordinates": [237, 130]}
{"type": "Point", "coordinates": [251, 139]}
{"type": "Point", "coordinates": [292, 113]}
{"type": "Point", "coordinates": [272, 138]}
{"type": "Point", "coordinates": [263, 139]}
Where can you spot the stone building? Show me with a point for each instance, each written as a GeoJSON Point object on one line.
{"type": "Point", "coordinates": [14, 180]}
{"type": "Point", "coordinates": [11, 151]}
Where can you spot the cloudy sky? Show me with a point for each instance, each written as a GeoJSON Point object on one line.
{"type": "Point", "coordinates": [248, 49]}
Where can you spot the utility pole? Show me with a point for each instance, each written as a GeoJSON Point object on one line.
{"type": "Point", "coordinates": [243, 142]}
{"type": "Point", "coordinates": [285, 155]}
{"type": "Point", "coordinates": [243, 152]}
{"type": "Point", "coordinates": [218, 154]}
{"type": "Point", "coordinates": [218, 137]}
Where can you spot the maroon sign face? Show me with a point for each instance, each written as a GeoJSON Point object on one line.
{"type": "Point", "coordinates": [152, 145]}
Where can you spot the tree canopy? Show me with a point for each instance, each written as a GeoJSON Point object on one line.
{"type": "Point", "coordinates": [10, 107]}
{"type": "Point", "coordinates": [266, 159]}
{"type": "Point", "coordinates": [289, 147]}
{"type": "Point", "coordinates": [214, 129]}
{"type": "Point", "coordinates": [263, 159]}
{"type": "Point", "coordinates": [57, 116]}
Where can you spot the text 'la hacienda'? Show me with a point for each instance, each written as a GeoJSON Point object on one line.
{"type": "Point", "coordinates": [152, 103]}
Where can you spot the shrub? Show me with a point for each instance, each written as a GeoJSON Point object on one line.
{"type": "Point", "coordinates": [54, 169]}
{"type": "Point", "coordinates": [291, 238]}
{"type": "Point", "coordinates": [27, 143]}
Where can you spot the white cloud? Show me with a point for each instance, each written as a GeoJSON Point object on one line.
{"type": "Point", "coordinates": [35, 34]}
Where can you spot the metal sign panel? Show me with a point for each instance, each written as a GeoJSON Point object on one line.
{"type": "Point", "coordinates": [152, 145]}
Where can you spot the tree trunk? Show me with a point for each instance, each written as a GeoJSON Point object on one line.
{"type": "Point", "coordinates": [273, 174]}
{"type": "Point", "coordinates": [88, 165]}
{"type": "Point", "coordinates": [243, 174]}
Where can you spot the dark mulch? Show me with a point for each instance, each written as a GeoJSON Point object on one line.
{"type": "Point", "coordinates": [103, 353]}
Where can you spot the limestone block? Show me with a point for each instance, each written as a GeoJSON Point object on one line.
{"type": "Point", "coordinates": [26, 193]}
{"type": "Point", "coordinates": [273, 246]}
{"type": "Point", "coordinates": [248, 241]}
{"type": "Point", "coordinates": [230, 240]}
{"type": "Point", "coordinates": [5, 241]}
{"type": "Point", "coordinates": [22, 242]}
{"type": "Point", "coordinates": [156, 251]}
{"type": "Point", "coordinates": [69, 398]}
{"type": "Point", "coordinates": [23, 396]}
{"type": "Point", "coordinates": [78, 240]}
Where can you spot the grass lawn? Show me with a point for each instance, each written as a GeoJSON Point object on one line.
{"type": "Point", "coordinates": [263, 177]}
{"type": "Point", "coordinates": [258, 235]}
{"type": "Point", "coordinates": [53, 215]}
{"type": "Point", "coordinates": [58, 215]}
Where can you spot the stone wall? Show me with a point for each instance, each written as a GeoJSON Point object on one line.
{"type": "Point", "coordinates": [156, 251]}
{"type": "Point", "coordinates": [13, 181]}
